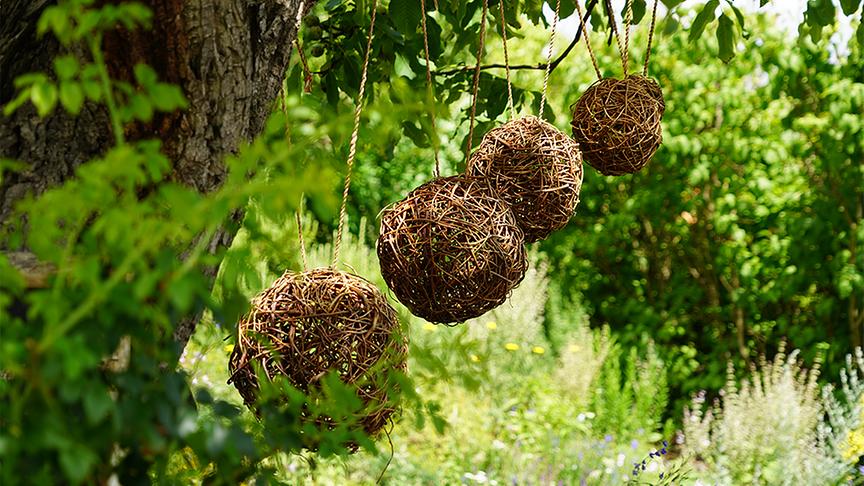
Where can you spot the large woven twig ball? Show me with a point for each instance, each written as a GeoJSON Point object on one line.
{"type": "Point", "coordinates": [535, 168]}
{"type": "Point", "coordinates": [451, 250]}
{"type": "Point", "coordinates": [617, 123]}
{"type": "Point", "coordinates": [311, 323]}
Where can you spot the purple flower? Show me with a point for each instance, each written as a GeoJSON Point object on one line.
{"type": "Point", "coordinates": [634, 444]}
{"type": "Point", "coordinates": [608, 438]}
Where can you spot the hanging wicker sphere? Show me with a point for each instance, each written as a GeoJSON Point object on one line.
{"type": "Point", "coordinates": [308, 324]}
{"type": "Point", "coordinates": [535, 168]}
{"type": "Point", "coordinates": [617, 123]}
{"type": "Point", "coordinates": [451, 250]}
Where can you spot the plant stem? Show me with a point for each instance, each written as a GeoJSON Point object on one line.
{"type": "Point", "coordinates": [95, 43]}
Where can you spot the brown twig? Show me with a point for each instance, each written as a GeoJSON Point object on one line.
{"type": "Point", "coordinates": [540, 66]}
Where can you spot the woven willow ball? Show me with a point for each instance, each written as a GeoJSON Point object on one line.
{"type": "Point", "coordinates": [451, 250]}
{"type": "Point", "coordinates": [617, 123]}
{"type": "Point", "coordinates": [307, 324]}
{"type": "Point", "coordinates": [535, 168]}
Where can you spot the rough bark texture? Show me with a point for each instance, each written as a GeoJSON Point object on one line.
{"type": "Point", "coordinates": [228, 56]}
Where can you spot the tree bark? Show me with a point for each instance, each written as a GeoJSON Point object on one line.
{"type": "Point", "coordinates": [229, 57]}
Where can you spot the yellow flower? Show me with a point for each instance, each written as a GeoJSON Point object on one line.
{"type": "Point", "coordinates": [492, 325]}
{"type": "Point", "coordinates": [511, 347]}
{"type": "Point", "coordinates": [475, 358]}
{"type": "Point", "coordinates": [538, 350]}
{"type": "Point", "coordinates": [853, 448]}
{"type": "Point", "coordinates": [228, 348]}
{"type": "Point", "coordinates": [573, 348]}
{"type": "Point", "coordinates": [429, 327]}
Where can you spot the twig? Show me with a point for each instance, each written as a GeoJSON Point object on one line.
{"type": "Point", "coordinates": [540, 66]}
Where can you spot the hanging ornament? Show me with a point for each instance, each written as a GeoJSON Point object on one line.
{"type": "Point", "coordinates": [617, 121]}
{"type": "Point", "coordinates": [311, 323]}
{"type": "Point", "coordinates": [451, 250]}
{"type": "Point", "coordinates": [324, 320]}
{"type": "Point", "coordinates": [533, 166]}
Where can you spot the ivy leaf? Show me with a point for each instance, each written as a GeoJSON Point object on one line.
{"type": "Point", "coordinates": [725, 38]}
{"type": "Point", "coordinates": [405, 15]}
{"type": "Point", "coordinates": [705, 16]}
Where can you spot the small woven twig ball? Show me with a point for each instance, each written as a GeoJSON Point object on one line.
{"type": "Point", "coordinates": [617, 123]}
{"type": "Point", "coordinates": [451, 250]}
{"type": "Point", "coordinates": [308, 324]}
{"type": "Point", "coordinates": [535, 168]}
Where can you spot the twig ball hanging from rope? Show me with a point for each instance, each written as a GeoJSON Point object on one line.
{"type": "Point", "coordinates": [451, 250]}
{"type": "Point", "coordinates": [535, 168]}
{"type": "Point", "coordinates": [308, 324]}
{"type": "Point", "coordinates": [617, 123]}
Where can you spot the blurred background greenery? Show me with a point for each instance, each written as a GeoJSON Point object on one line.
{"type": "Point", "coordinates": [701, 316]}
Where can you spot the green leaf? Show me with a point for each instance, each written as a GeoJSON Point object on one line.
{"type": "Point", "coordinates": [725, 38]}
{"type": "Point", "coordinates": [567, 8]}
{"type": "Point", "coordinates": [860, 34]}
{"type": "Point", "coordinates": [55, 19]}
{"type": "Point", "coordinates": [97, 403]}
{"type": "Point", "coordinates": [19, 100]}
{"type": "Point", "coordinates": [849, 6]}
{"type": "Point", "coordinates": [77, 462]}
{"type": "Point", "coordinates": [66, 67]}
{"type": "Point", "coordinates": [145, 75]}
{"type": "Point", "coordinates": [167, 97]}
{"type": "Point", "coordinates": [405, 15]}
{"type": "Point", "coordinates": [44, 97]}
{"type": "Point", "coordinates": [705, 16]}
{"type": "Point", "coordinates": [820, 13]}
{"type": "Point", "coordinates": [740, 17]}
{"type": "Point", "coordinates": [638, 11]}
{"type": "Point", "coordinates": [71, 96]}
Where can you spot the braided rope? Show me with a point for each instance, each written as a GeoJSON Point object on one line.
{"type": "Point", "coordinates": [506, 61]}
{"type": "Point", "coordinates": [628, 19]}
{"type": "Point", "coordinates": [477, 78]}
{"type": "Point", "coordinates": [300, 238]}
{"type": "Point", "coordinates": [650, 38]}
{"type": "Point", "coordinates": [549, 58]}
{"type": "Point", "coordinates": [352, 148]}
{"type": "Point", "coordinates": [430, 88]}
{"type": "Point", "coordinates": [584, 19]}
{"type": "Point", "coordinates": [614, 25]}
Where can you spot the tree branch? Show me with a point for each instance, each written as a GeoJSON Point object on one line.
{"type": "Point", "coordinates": [540, 66]}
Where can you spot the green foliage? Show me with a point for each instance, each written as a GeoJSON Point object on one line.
{"type": "Point", "coordinates": [743, 230]}
{"type": "Point", "coordinates": [502, 404]}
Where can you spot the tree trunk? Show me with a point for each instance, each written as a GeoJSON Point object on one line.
{"type": "Point", "coordinates": [229, 57]}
